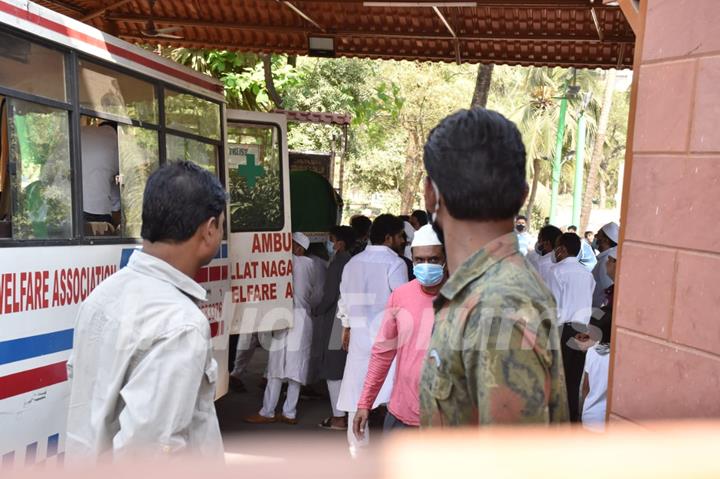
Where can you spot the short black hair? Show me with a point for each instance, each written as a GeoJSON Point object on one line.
{"type": "Point", "coordinates": [571, 242]}
{"type": "Point", "coordinates": [549, 233]}
{"type": "Point", "coordinates": [420, 216]}
{"type": "Point", "coordinates": [404, 218]}
{"type": "Point", "coordinates": [344, 234]}
{"type": "Point", "coordinates": [179, 197]}
{"type": "Point", "coordinates": [572, 227]}
{"type": "Point", "coordinates": [587, 233]}
{"type": "Point", "coordinates": [384, 225]}
{"type": "Point", "coordinates": [521, 217]}
{"type": "Point", "coordinates": [477, 160]}
{"type": "Point", "coordinates": [361, 225]}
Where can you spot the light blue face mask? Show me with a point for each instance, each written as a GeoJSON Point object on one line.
{"type": "Point", "coordinates": [429, 274]}
{"type": "Point", "coordinates": [330, 246]}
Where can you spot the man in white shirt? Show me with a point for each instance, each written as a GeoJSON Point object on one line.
{"type": "Point", "coordinates": [289, 359]}
{"type": "Point", "coordinates": [606, 238]}
{"type": "Point", "coordinates": [525, 240]}
{"type": "Point", "coordinates": [543, 254]}
{"type": "Point", "coordinates": [142, 373]}
{"type": "Point", "coordinates": [572, 285]}
{"type": "Point", "coordinates": [366, 284]}
{"type": "Point", "coordinates": [100, 166]}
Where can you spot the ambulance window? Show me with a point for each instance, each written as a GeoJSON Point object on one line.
{"type": "Point", "coordinates": [30, 68]}
{"type": "Point", "coordinates": [107, 91]}
{"type": "Point", "coordinates": [139, 157]}
{"type": "Point", "coordinates": [186, 149]}
{"type": "Point", "coordinates": [37, 155]}
{"type": "Point", "coordinates": [190, 114]}
{"type": "Point", "coordinates": [255, 175]}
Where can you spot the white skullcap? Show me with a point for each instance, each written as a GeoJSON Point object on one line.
{"type": "Point", "coordinates": [426, 236]}
{"type": "Point", "coordinates": [302, 240]}
{"type": "Point", "coordinates": [612, 231]}
{"type": "Point", "coordinates": [612, 253]}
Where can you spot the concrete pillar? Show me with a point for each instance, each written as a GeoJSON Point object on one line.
{"type": "Point", "coordinates": [666, 344]}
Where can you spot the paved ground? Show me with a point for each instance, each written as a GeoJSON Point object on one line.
{"type": "Point", "coordinates": [260, 443]}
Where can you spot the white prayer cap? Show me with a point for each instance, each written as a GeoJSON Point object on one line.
{"type": "Point", "coordinates": [612, 231]}
{"type": "Point", "coordinates": [302, 240]}
{"type": "Point", "coordinates": [426, 236]}
{"type": "Point", "coordinates": [612, 253]}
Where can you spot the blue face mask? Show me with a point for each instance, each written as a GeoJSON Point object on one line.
{"type": "Point", "coordinates": [330, 246]}
{"type": "Point", "coordinates": [429, 274]}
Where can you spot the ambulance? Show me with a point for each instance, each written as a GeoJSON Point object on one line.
{"type": "Point", "coordinates": [62, 85]}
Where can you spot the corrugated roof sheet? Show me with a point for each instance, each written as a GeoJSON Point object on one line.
{"type": "Point", "coordinates": [580, 33]}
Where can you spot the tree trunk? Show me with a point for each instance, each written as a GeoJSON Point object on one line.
{"type": "Point", "coordinates": [533, 189]}
{"type": "Point", "coordinates": [270, 83]}
{"type": "Point", "coordinates": [482, 86]}
{"type": "Point", "coordinates": [411, 169]}
{"type": "Point", "coordinates": [603, 194]}
{"type": "Point", "coordinates": [597, 154]}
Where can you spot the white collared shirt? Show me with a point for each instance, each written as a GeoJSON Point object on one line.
{"type": "Point", "coordinates": [142, 373]}
{"type": "Point", "coordinates": [544, 265]}
{"type": "Point", "coordinates": [572, 285]}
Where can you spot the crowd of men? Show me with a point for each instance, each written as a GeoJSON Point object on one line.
{"type": "Point", "coordinates": [454, 317]}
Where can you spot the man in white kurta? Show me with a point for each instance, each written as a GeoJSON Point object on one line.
{"type": "Point", "coordinates": [366, 284]}
{"type": "Point", "coordinates": [141, 371]}
{"type": "Point", "coordinates": [544, 249]}
{"type": "Point", "coordinates": [606, 238]}
{"type": "Point", "coordinates": [289, 359]}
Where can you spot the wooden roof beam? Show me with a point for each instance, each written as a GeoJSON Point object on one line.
{"type": "Point", "coordinates": [67, 6]}
{"type": "Point", "coordinates": [302, 14]}
{"type": "Point", "coordinates": [101, 11]}
{"type": "Point", "coordinates": [359, 33]}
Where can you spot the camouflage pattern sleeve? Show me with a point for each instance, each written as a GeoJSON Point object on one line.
{"type": "Point", "coordinates": [512, 364]}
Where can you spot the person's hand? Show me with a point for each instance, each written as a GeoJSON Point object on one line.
{"type": "Point", "coordinates": [583, 342]}
{"type": "Point", "coordinates": [360, 423]}
{"type": "Point", "coordinates": [346, 339]}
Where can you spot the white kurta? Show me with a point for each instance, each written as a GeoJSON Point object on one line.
{"type": "Point", "coordinates": [142, 373]}
{"type": "Point", "coordinates": [597, 366]}
{"type": "Point", "coordinates": [572, 285]}
{"type": "Point", "coordinates": [290, 348]}
{"type": "Point", "coordinates": [602, 280]}
{"type": "Point", "coordinates": [367, 281]}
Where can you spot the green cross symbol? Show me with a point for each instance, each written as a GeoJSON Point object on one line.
{"type": "Point", "coordinates": [251, 171]}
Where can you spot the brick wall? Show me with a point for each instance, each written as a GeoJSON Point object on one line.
{"type": "Point", "coordinates": [667, 335]}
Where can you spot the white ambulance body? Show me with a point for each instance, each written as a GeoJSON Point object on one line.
{"type": "Point", "coordinates": [59, 77]}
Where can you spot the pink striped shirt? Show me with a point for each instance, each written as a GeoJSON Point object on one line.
{"type": "Point", "coordinates": [405, 333]}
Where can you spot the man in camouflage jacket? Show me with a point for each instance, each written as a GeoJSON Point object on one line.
{"type": "Point", "coordinates": [494, 357]}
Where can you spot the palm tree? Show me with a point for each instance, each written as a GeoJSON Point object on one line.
{"type": "Point", "coordinates": [597, 154]}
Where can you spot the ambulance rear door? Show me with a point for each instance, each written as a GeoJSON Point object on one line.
{"type": "Point", "coordinates": [260, 233]}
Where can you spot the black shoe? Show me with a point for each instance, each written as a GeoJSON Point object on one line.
{"type": "Point", "coordinates": [237, 385]}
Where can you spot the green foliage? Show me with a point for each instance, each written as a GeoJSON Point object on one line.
{"type": "Point", "coordinates": [39, 147]}
{"type": "Point", "coordinates": [242, 74]}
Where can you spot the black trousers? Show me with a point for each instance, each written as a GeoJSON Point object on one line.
{"type": "Point", "coordinates": [573, 363]}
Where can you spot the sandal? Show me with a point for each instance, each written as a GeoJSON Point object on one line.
{"type": "Point", "coordinates": [327, 423]}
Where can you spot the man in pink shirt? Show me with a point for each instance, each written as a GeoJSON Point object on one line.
{"type": "Point", "coordinates": [405, 335]}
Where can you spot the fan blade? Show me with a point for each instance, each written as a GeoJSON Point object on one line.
{"type": "Point", "coordinates": [168, 29]}
{"type": "Point", "coordinates": [169, 36]}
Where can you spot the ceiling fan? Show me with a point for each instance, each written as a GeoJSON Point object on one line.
{"type": "Point", "coordinates": [151, 30]}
